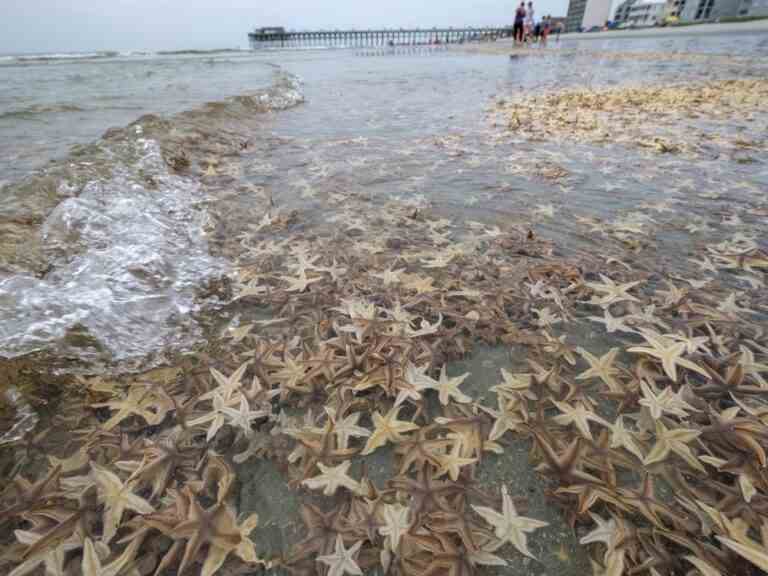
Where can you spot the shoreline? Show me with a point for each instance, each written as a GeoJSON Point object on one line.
{"type": "Point", "coordinates": [753, 26]}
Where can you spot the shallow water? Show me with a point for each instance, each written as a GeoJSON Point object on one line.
{"type": "Point", "coordinates": [124, 251]}
{"type": "Point", "coordinates": [382, 123]}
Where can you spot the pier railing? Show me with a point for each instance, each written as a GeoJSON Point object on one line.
{"type": "Point", "coordinates": [276, 37]}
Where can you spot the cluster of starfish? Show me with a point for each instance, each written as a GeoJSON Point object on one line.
{"type": "Point", "coordinates": [662, 118]}
{"type": "Point", "coordinates": [342, 355]}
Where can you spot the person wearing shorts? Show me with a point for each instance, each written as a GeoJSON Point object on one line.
{"type": "Point", "coordinates": [529, 22]}
{"type": "Point", "coordinates": [545, 29]}
{"type": "Point", "coordinates": [518, 30]}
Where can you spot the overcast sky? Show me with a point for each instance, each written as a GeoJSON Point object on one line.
{"type": "Point", "coordinates": [82, 25]}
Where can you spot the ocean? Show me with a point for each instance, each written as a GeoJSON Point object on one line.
{"type": "Point", "coordinates": [113, 222]}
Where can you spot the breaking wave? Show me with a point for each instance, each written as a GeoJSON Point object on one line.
{"type": "Point", "coordinates": [126, 258]}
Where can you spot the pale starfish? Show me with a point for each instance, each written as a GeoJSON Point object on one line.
{"type": "Point", "coordinates": [448, 388]}
{"type": "Point", "coordinates": [612, 292]}
{"type": "Point", "coordinates": [751, 367]}
{"type": "Point", "coordinates": [674, 440]}
{"type": "Point", "coordinates": [452, 462]}
{"type": "Point", "coordinates": [669, 352]}
{"type": "Point", "coordinates": [300, 283]}
{"type": "Point", "coordinates": [729, 306]}
{"type": "Point", "coordinates": [578, 416]}
{"type": "Point", "coordinates": [346, 428]}
{"type": "Point", "coordinates": [620, 436]}
{"type": "Point", "coordinates": [92, 566]}
{"type": "Point", "coordinates": [117, 497]}
{"type": "Point", "coordinates": [243, 417]}
{"type": "Point", "coordinates": [331, 477]}
{"type": "Point", "coordinates": [227, 385]}
{"type": "Point", "coordinates": [387, 429]}
{"type": "Point", "coordinates": [395, 525]}
{"type": "Point", "coordinates": [215, 417]}
{"type": "Point", "coordinates": [389, 276]}
{"type": "Point", "coordinates": [601, 368]}
{"type": "Point", "coordinates": [666, 401]}
{"type": "Point", "coordinates": [508, 526]}
{"type": "Point", "coordinates": [342, 561]}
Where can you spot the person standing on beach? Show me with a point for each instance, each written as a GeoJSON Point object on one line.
{"type": "Point", "coordinates": [517, 31]}
{"type": "Point", "coordinates": [545, 25]}
{"type": "Point", "coordinates": [529, 22]}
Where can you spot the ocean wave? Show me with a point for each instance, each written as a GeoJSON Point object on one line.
{"type": "Point", "coordinates": [55, 56]}
{"type": "Point", "coordinates": [198, 52]}
{"type": "Point", "coordinates": [35, 110]}
{"type": "Point", "coordinates": [123, 263]}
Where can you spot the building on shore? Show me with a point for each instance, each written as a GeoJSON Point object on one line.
{"type": "Point", "coordinates": [621, 14]}
{"type": "Point", "coordinates": [697, 10]}
{"type": "Point", "coordinates": [675, 8]}
{"type": "Point", "coordinates": [646, 13]}
{"type": "Point", "coordinates": [586, 14]}
{"type": "Point", "coordinates": [753, 8]}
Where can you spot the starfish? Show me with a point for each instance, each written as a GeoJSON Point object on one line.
{"type": "Point", "coordinates": [243, 417]}
{"type": "Point", "coordinates": [752, 368]}
{"type": "Point", "coordinates": [666, 401]}
{"type": "Point", "coordinates": [508, 525]}
{"type": "Point", "coordinates": [30, 495]}
{"type": "Point", "coordinates": [215, 526]}
{"type": "Point", "coordinates": [300, 283]}
{"type": "Point", "coordinates": [513, 385]}
{"type": "Point", "coordinates": [419, 450]}
{"type": "Point", "coordinates": [564, 466]}
{"type": "Point", "coordinates": [447, 388]}
{"type": "Point", "coordinates": [505, 418]}
{"type": "Point", "coordinates": [216, 417]}
{"type": "Point", "coordinates": [395, 524]}
{"type": "Point", "coordinates": [387, 429]}
{"type": "Point", "coordinates": [612, 292]}
{"type": "Point", "coordinates": [342, 561]}
{"type": "Point", "coordinates": [346, 428]}
{"type": "Point", "coordinates": [612, 323]}
{"type": "Point", "coordinates": [578, 416]}
{"type": "Point", "coordinates": [601, 368]}
{"type": "Point", "coordinates": [669, 352]}
{"type": "Point", "coordinates": [419, 284]}
{"type": "Point", "coordinates": [674, 440]}
{"type": "Point", "coordinates": [227, 385]}
{"type": "Point", "coordinates": [117, 497]}
{"type": "Point", "coordinates": [92, 565]}
{"type": "Point", "coordinates": [730, 307]}
{"type": "Point", "coordinates": [621, 437]}
{"type": "Point", "coordinates": [452, 462]}
{"type": "Point", "coordinates": [389, 276]}
{"type": "Point", "coordinates": [331, 477]}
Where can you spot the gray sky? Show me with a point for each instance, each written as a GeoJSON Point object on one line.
{"type": "Point", "coordinates": [81, 25]}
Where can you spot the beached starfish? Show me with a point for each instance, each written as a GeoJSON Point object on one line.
{"type": "Point", "coordinates": [117, 497]}
{"type": "Point", "coordinates": [508, 525]}
{"type": "Point", "coordinates": [92, 566]}
{"type": "Point", "coordinates": [396, 524]}
{"type": "Point", "coordinates": [621, 437]}
{"type": "Point", "coordinates": [676, 441]}
{"type": "Point", "coordinates": [578, 416]}
{"type": "Point", "coordinates": [227, 385]}
{"type": "Point", "coordinates": [665, 401]}
{"type": "Point", "coordinates": [387, 429]}
{"type": "Point", "coordinates": [612, 292]}
{"type": "Point", "coordinates": [602, 368]}
{"type": "Point", "coordinates": [243, 417]}
{"type": "Point", "coordinates": [342, 561]}
{"type": "Point", "coordinates": [331, 478]}
{"type": "Point", "coordinates": [669, 352]}
{"type": "Point", "coordinates": [452, 461]}
{"type": "Point", "coordinates": [447, 388]}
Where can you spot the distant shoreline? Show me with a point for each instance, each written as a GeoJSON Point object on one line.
{"type": "Point", "coordinates": [719, 28]}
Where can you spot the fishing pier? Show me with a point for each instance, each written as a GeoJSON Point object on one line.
{"type": "Point", "coordinates": [280, 38]}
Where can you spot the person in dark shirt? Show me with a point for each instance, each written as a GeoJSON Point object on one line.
{"type": "Point", "coordinates": [517, 31]}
